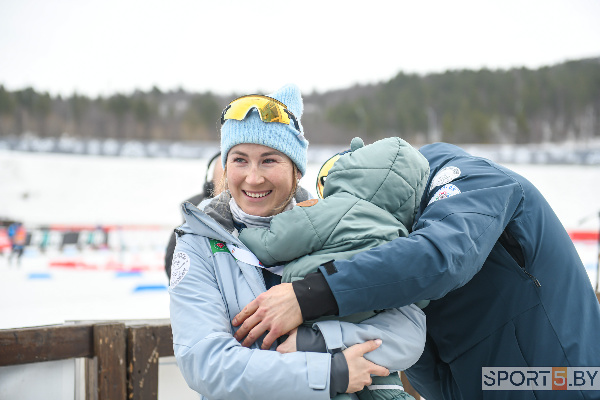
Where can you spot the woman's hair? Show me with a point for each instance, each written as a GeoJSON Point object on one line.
{"type": "Point", "coordinates": [295, 173]}
{"type": "Point", "coordinates": [222, 185]}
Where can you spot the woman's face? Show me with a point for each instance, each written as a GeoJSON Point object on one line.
{"type": "Point", "coordinates": [259, 178]}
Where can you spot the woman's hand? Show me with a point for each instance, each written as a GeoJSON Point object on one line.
{"type": "Point", "coordinates": [289, 345]}
{"type": "Point", "coordinates": [359, 368]}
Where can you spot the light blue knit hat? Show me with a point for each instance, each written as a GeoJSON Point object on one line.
{"type": "Point", "coordinates": [282, 137]}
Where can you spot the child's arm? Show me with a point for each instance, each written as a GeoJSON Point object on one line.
{"type": "Point", "coordinates": [290, 236]}
{"type": "Point", "coordinates": [402, 331]}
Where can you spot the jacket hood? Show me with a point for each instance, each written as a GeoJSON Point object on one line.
{"type": "Point", "coordinates": [198, 222]}
{"type": "Point", "coordinates": [389, 173]}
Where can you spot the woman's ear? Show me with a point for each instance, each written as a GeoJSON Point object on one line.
{"type": "Point", "coordinates": [298, 175]}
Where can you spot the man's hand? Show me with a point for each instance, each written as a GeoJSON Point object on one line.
{"type": "Point", "coordinates": [275, 310]}
{"type": "Point", "coordinates": [289, 346]}
{"type": "Point", "coordinates": [359, 368]}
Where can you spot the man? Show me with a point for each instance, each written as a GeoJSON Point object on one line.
{"type": "Point", "coordinates": [507, 286]}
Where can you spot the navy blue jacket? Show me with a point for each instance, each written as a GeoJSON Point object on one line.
{"type": "Point", "coordinates": [508, 288]}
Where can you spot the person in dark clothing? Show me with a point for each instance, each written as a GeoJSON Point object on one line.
{"type": "Point", "coordinates": [506, 284]}
{"type": "Point", "coordinates": [210, 189]}
{"type": "Point", "coordinates": [18, 236]}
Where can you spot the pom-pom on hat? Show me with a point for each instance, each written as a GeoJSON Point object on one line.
{"type": "Point", "coordinates": [279, 136]}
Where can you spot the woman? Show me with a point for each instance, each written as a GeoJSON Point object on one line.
{"type": "Point", "coordinates": [214, 275]}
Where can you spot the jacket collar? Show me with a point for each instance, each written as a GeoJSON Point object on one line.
{"type": "Point", "coordinates": [215, 220]}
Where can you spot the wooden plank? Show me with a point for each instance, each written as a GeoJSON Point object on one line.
{"type": "Point", "coordinates": [165, 340]}
{"type": "Point", "coordinates": [48, 343]}
{"type": "Point", "coordinates": [91, 379]}
{"type": "Point", "coordinates": [142, 363]}
{"type": "Point", "coordinates": [110, 350]}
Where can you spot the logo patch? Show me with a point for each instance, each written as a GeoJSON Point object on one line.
{"type": "Point", "coordinates": [444, 192]}
{"type": "Point", "coordinates": [179, 267]}
{"type": "Point", "coordinates": [218, 247]}
{"type": "Point", "coordinates": [308, 203]}
{"type": "Point", "coordinates": [445, 175]}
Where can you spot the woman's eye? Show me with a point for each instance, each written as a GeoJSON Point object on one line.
{"type": "Point", "coordinates": [269, 161]}
{"type": "Point", "coordinates": [238, 160]}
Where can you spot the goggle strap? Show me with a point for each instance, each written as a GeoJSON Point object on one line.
{"type": "Point", "coordinates": [292, 118]}
{"type": "Point", "coordinates": [224, 112]}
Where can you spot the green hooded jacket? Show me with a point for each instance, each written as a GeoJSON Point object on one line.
{"type": "Point", "coordinates": [371, 196]}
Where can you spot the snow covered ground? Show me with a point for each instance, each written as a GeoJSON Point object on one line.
{"type": "Point", "coordinates": [86, 190]}
{"type": "Point", "coordinates": [126, 280]}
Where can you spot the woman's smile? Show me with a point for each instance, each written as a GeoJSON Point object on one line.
{"type": "Point", "coordinates": [257, 195]}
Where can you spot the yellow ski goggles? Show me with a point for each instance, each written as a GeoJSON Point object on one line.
{"type": "Point", "coordinates": [269, 109]}
{"type": "Point", "coordinates": [324, 171]}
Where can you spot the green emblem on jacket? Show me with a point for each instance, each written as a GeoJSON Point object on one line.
{"type": "Point", "coordinates": [218, 247]}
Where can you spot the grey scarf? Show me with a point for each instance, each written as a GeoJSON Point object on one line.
{"type": "Point", "coordinates": [253, 221]}
{"type": "Point", "coordinates": [220, 209]}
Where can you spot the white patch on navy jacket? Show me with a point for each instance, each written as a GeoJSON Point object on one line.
{"type": "Point", "coordinates": [445, 175]}
{"type": "Point", "coordinates": [179, 267]}
{"type": "Point", "coordinates": [444, 192]}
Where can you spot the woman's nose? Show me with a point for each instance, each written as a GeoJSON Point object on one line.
{"type": "Point", "coordinates": [254, 176]}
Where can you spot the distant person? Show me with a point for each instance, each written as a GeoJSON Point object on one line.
{"type": "Point", "coordinates": [18, 236]}
{"type": "Point", "coordinates": [210, 189]}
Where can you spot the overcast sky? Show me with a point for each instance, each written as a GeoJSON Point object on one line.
{"type": "Point", "coordinates": [106, 46]}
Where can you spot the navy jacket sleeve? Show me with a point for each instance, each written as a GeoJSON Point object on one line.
{"type": "Point", "coordinates": [451, 239]}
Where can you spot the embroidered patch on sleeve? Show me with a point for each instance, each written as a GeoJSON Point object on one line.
{"type": "Point", "coordinates": [445, 175]}
{"type": "Point", "coordinates": [179, 267]}
{"type": "Point", "coordinates": [308, 203]}
{"type": "Point", "coordinates": [218, 247]}
{"type": "Point", "coordinates": [444, 192]}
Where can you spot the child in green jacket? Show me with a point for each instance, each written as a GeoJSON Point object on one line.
{"type": "Point", "coordinates": [370, 197]}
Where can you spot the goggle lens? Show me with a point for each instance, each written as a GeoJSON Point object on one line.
{"type": "Point", "coordinates": [269, 109]}
{"type": "Point", "coordinates": [324, 171]}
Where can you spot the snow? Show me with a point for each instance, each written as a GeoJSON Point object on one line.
{"type": "Point", "coordinates": [145, 193]}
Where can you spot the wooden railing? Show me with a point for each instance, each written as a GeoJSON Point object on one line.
{"type": "Point", "coordinates": [121, 356]}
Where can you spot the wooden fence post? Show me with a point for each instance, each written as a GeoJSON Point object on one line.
{"type": "Point", "coordinates": [109, 348]}
{"type": "Point", "coordinates": [142, 363]}
{"type": "Point", "coordinates": [145, 344]}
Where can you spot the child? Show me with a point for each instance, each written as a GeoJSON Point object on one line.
{"type": "Point", "coordinates": [370, 197]}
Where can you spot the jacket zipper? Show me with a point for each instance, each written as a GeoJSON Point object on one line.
{"type": "Point", "coordinates": [513, 248]}
{"type": "Point", "coordinates": [533, 278]}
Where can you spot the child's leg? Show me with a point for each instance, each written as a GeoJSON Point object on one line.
{"type": "Point", "coordinates": [385, 388]}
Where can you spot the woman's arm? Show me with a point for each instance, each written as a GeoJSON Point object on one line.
{"type": "Point", "coordinates": [214, 363]}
